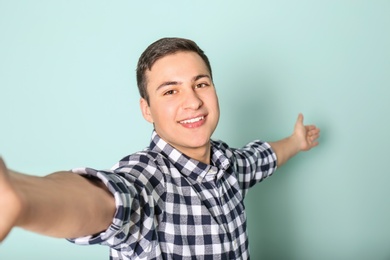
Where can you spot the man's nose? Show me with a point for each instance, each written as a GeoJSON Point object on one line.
{"type": "Point", "coordinates": [191, 100]}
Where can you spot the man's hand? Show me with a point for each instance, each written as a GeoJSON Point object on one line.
{"type": "Point", "coordinates": [304, 138]}
{"type": "Point", "coordinates": [10, 202]}
{"type": "Point", "coordinates": [306, 135]}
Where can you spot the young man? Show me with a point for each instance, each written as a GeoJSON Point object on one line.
{"type": "Point", "coordinates": [180, 198]}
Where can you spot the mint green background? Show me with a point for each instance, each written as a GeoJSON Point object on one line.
{"type": "Point", "coordinates": [69, 99]}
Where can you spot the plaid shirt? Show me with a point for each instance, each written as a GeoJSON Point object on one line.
{"type": "Point", "coordinates": [170, 206]}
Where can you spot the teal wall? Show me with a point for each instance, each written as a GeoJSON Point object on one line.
{"type": "Point", "coordinates": [69, 99]}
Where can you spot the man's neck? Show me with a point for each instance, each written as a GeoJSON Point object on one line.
{"type": "Point", "coordinates": [201, 154]}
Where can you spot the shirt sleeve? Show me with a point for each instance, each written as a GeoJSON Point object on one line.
{"type": "Point", "coordinates": [252, 163]}
{"type": "Point", "coordinates": [136, 194]}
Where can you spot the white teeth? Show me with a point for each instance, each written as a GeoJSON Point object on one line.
{"type": "Point", "coordinates": [192, 120]}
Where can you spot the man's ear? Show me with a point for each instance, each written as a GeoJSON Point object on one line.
{"type": "Point", "coordinates": [145, 109]}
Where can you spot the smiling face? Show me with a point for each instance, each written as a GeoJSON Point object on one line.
{"type": "Point", "coordinates": [183, 104]}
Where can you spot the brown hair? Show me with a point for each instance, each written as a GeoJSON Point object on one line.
{"type": "Point", "coordinates": [160, 49]}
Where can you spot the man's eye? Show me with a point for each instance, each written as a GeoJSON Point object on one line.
{"type": "Point", "coordinates": [201, 85]}
{"type": "Point", "coordinates": [169, 92]}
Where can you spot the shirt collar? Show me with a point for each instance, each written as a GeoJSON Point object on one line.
{"type": "Point", "coordinates": [187, 166]}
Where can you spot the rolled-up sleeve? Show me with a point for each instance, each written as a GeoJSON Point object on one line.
{"type": "Point", "coordinates": [252, 163]}
{"type": "Point", "coordinates": [133, 227]}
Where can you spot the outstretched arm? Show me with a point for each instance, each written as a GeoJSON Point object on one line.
{"type": "Point", "coordinates": [61, 204]}
{"type": "Point", "coordinates": [304, 138]}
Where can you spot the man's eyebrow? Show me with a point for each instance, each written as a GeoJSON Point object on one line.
{"type": "Point", "coordinates": [172, 83]}
{"type": "Point", "coordinates": [200, 76]}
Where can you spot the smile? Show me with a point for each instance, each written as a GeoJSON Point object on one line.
{"type": "Point", "coordinates": [192, 120]}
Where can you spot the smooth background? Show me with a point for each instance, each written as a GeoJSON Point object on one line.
{"type": "Point", "coordinates": [69, 99]}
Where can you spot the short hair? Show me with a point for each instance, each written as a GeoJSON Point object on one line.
{"type": "Point", "coordinates": [160, 49]}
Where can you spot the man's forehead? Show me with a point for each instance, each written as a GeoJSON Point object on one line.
{"type": "Point", "coordinates": [179, 62]}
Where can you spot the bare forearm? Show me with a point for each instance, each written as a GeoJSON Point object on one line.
{"type": "Point", "coordinates": [285, 149]}
{"type": "Point", "coordinates": [63, 204]}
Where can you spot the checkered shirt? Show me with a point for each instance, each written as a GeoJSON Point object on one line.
{"type": "Point", "coordinates": [169, 206]}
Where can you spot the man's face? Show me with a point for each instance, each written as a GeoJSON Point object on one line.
{"type": "Point", "coordinates": [183, 103]}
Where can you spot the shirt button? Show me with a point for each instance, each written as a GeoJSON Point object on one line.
{"type": "Point", "coordinates": [148, 249]}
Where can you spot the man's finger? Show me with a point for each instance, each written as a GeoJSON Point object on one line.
{"type": "Point", "coordinates": [300, 118]}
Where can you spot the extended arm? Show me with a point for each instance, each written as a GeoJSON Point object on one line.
{"type": "Point", "coordinates": [303, 138]}
{"type": "Point", "coordinates": [61, 204]}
